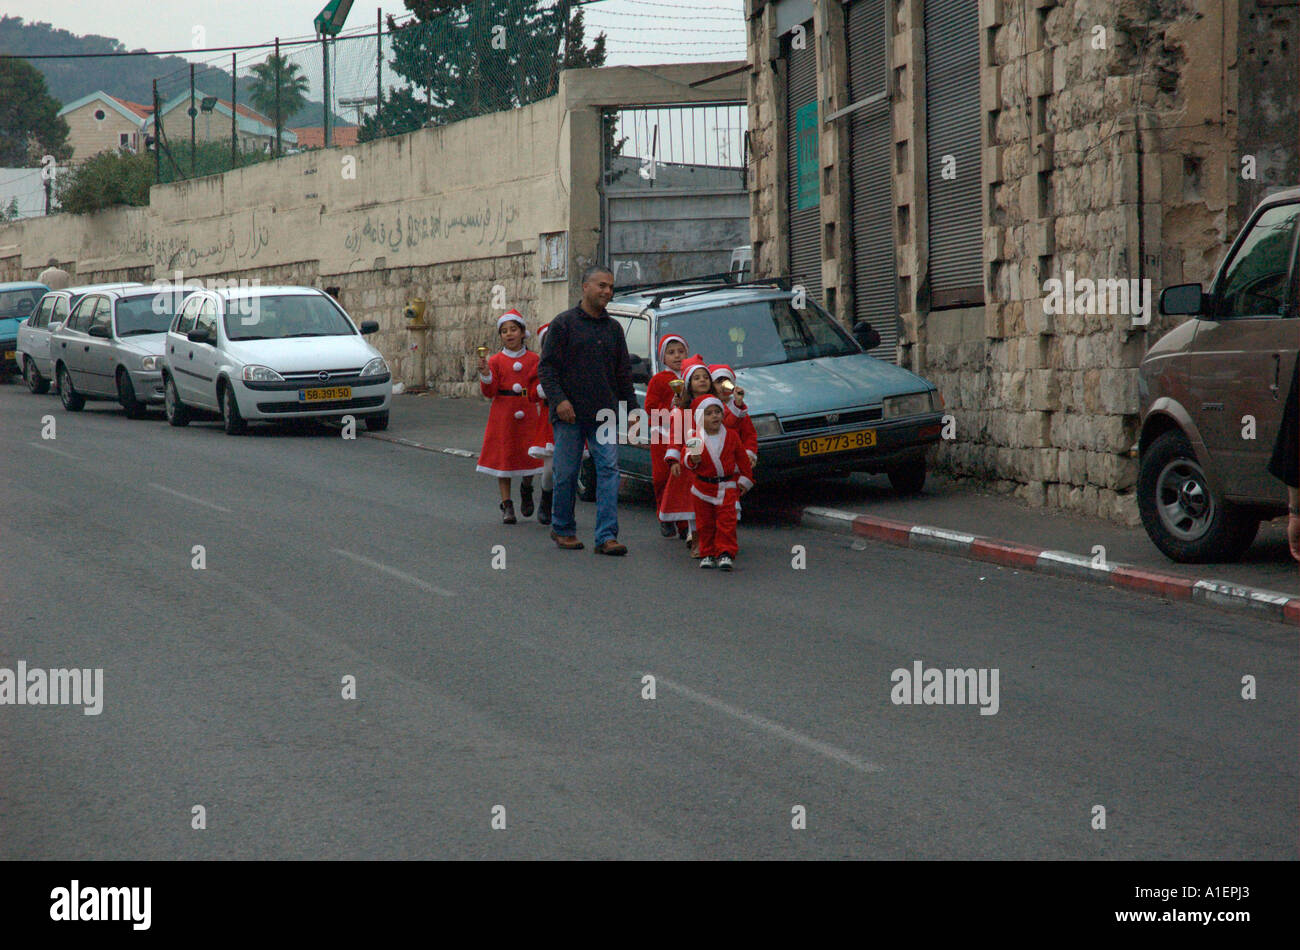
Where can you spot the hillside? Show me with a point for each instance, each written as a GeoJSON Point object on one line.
{"type": "Point", "coordinates": [129, 77]}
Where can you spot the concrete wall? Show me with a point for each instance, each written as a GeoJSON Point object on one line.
{"type": "Point", "coordinates": [445, 214]}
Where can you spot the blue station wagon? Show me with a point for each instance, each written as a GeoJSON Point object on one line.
{"type": "Point", "coordinates": [819, 403]}
{"type": "Point", "coordinates": [17, 303]}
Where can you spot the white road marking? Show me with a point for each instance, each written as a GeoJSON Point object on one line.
{"type": "Point", "coordinates": [191, 498]}
{"type": "Point", "coordinates": [50, 448]}
{"type": "Point", "coordinates": [428, 588]}
{"type": "Point", "coordinates": [774, 728]}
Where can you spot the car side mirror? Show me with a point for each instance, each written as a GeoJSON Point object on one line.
{"type": "Point", "coordinates": [868, 337]}
{"type": "Point", "coordinates": [100, 331]}
{"type": "Point", "coordinates": [1182, 300]}
{"type": "Point", "coordinates": [199, 336]}
{"type": "Point", "coordinates": [369, 326]}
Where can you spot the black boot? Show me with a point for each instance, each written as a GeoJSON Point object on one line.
{"type": "Point", "coordinates": [544, 509]}
{"type": "Point", "coordinates": [526, 500]}
{"type": "Point", "coordinates": [507, 512]}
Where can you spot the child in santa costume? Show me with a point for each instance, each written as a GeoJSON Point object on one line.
{"type": "Point", "coordinates": [507, 378]}
{"type": "Point", "coordinates": [676, 505]}
{"type": "Point", "coordinates": [659, 398]}
{"type": "Point", "coordinates": [543, 446]}
{"type": "Point", "coordinates": [735, 414]}
{"type": "Point", "coordinates": [721, 473]}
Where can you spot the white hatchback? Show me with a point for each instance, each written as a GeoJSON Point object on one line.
{"type": "Point", "coordinates": [272, 353]}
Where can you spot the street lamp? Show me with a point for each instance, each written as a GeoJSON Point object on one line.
{"type": "Point", "coordinates": [328, 23]}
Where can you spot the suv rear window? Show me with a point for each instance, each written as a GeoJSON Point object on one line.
{"type": "Point", "coordinates": [761, 333]}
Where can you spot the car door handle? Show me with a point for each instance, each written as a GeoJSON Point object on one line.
{"type": "Point", "coordinates": [191, 354]}
{"type": "Point", "coordinates": [87, 349]}
{"type": "Point", "coordinates": [1277, 373]}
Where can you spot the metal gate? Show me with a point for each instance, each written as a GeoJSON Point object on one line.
{"type": "Point", "coordinates": [875, 276]}
{"type": "Point", "coordinates": [673, 197]}
{"type": "Point", "coordinates": [803, 167]}
{"type": "Point", "coordinates": [953, 173]}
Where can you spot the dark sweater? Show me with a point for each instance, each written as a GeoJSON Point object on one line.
{"type": "Point", "coordinates": [585, 360]}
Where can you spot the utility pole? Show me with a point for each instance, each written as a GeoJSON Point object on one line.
{"type": "Point", "coordinates": [279, 122]}
{"type": "Point", "coordinates": [234, 135]}
{"type": "Point", "coordinates": [157, 138]}
{"type": "Point", "coordinates": [379, 71]}
{"type": "Point", "coordinates": [325, 90]}
{"type": "Point", "coordinates": [193, 121]}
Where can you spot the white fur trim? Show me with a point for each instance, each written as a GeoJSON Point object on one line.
{"type": "Point", "coordinates": [485, 379]}
{"type": "Point", "coordinates": [517, 387]}
{"type": "Point", "coordinates": [745, 482]}
{"type": "Point", "coordinates": [517, 317]}
{"type": "Point", "coordinates": [541, 393]}
{"type": "Point", "coordinates": [753, 456]}
{"type": "Point", "coordinates": [722, 373]}
{"type": "Point", "coordinates": [672, 455]}
{"type": "Point", "coordinates": [518, 367]}
{"type": "Point", "coordinates": [519, 413]}
{"type": "Point", "coordinates": [503, 474]}
{"type": "Point", "coordinates": [710, 401]}
{"type": "Point", "coordinates": [542, 452]}
{"type": "Point", "coordinates": [677, 516]}
{"type": "Point", "coordinates": [514, 354]}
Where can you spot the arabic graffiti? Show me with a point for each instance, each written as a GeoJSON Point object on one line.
{"type": "Point", "coordinates": [237, 245]}
{"type": "Point", "coordinates": [490, 223]}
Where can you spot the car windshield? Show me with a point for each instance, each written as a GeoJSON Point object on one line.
{"type": "Point", "coordinates": [151, 313]}
{"type": "Point", "coordinates": [761, 333]}
{"type": "Point", "coordinates": [281, 316]}
{"type": "Point", "coordinates": [17, 303]}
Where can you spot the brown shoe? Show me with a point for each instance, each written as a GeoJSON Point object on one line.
{"type": "Point", "coordinates": [611, 547]}
{"type": "Point", "coordinates": [568, 543]}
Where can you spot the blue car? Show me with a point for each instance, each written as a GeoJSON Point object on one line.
{"type": "Point", "coordinates": [17, 303]}
{"type": "Point", "coordinates": [819, 403]}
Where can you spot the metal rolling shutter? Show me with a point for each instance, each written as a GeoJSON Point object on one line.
{"type": "Point", "coordinates": [804, 226]}
{"type": "Point", "coordinates": [952, 127]}
{"type": "Point", "coordinates": [871, 146]}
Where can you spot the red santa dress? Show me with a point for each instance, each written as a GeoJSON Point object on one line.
{"type": "Point", "coordinates": [659, 396]}
{"type": "Point", "coordinates": [717, 475]}
{"type": "Point", "coordinates": [512, 420]}
{"type": "Point", "coordinates": [543, 441]}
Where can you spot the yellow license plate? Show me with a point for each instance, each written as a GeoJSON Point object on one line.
{"type": "Point", "coordinates": [10, 354]}
{"type": "Point", "coordinates": [325, 394]}
{"type": "Point", "coordinates": [844, 442]}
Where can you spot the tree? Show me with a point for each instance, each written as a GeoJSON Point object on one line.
{"type": "Point", "coordinates": [472, 57]}
{"type": "Point", "coordinates": [104, 180]}
{"type": "Point", "coordinates": [28, 117]}
{"type": "Point", "coordinates": [401, 111]}
{"type": "Point", "coordinates": [10, 213]}
{"type": "Point", "coordinates": [293, 89]}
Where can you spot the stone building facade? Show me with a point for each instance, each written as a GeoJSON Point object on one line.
{"type": "Point", "coordinates": [1116, 140]}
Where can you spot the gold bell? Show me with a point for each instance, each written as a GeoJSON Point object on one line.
{"type": "Point", "coordinates": [727, 387]}
{"type": "Point", "coordinates": [678, 386]}
{"type": "Point", "coordinates": [482, 352]}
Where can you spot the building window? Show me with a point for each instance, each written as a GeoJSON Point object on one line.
{"type": "Point", "coordinates": [100, 115]}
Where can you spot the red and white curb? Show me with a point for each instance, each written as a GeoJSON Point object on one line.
{"type": "Point", "coordinates": [1266, 604]}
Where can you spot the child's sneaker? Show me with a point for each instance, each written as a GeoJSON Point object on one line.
{"type": "Point", "coordinates": [708, 562]}
{"type": "Point", "coordinates": [724, 563]}
{"type": "Point", "coordinates": [507, 512]}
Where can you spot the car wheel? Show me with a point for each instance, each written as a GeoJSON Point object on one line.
{"type": "Point", "coordinates": [587, 480]}
{"type": "Point", "coordinates": [908, 478]}
{"type": "Point", "coordinates": [73, 401]}
{"type": "Point", "coordinates": [231, 419]}
{"type": "Point", "coordinates": [1180, 513]}
{"type": "Point", "coordinates": [35, 381]}
{"type": "Point", "coordinates": [377, 423]}
{"type": "Point", "coordinates": [178, 414]}
{"type": "Point", "coordinates": [134, 408]}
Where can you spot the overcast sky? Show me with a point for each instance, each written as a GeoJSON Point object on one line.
{"type": "Point", "coordinates": [639, 31]}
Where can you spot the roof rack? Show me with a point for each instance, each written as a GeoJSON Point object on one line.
{"type": "Point", "coordinates": [781, 282]}
{"type": "Point", "coordinates": [725, 277]}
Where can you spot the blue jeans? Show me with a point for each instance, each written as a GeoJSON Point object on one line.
{"type": "Point", "coordinates": [569, 439]}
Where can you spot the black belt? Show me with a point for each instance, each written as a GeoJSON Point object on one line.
{"type": "Point", "coordinates": [715, 480]}
{"type": "Point", "coordinates": [509, 392]}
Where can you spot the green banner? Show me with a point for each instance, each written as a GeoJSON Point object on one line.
{"type": "Point", "coordinates": [808, 189]}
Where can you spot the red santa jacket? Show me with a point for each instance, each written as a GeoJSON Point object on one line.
{"type": "Point", "coordinates": [735, 416]}
{"type": "Point", "coordinates": [720, 468]}
{"type": "Point", "coordinates": [659, 395]}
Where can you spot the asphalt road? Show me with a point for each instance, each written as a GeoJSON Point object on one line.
{"type": "Point", "coordinates": [522, 688]}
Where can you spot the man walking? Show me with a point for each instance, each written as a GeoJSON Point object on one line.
{"type": "Point", "coordinates": [585, 368]}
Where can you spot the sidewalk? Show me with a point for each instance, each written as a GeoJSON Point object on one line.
{"type": "Point", "coordinates": [866, 505]}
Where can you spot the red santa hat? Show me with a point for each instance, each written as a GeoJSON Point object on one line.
{"type": "Point", "coordinates": [541, 332]}
{"type": "Point", "coordinates": [721, 371]}
{"type": "Point", "coordinates": [690, 365]}
{"type": "Point", "coordinates": [700, 404]}
{"type": "Point", "coordinates": [517, 317]}
{"type": "Point", "coordinates": [669, 338]}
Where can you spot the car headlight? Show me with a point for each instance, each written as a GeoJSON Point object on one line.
{"type": "Point", "coordinates": [261, 374]}
{"type": "Point", "coordinates": [375, 367]}
{"type": "Point", "coordinates": [895, 407]}
{"type": "Point", "coordinates": [150, 363]}
{"type": "Point", "coordinates": [766, 425]}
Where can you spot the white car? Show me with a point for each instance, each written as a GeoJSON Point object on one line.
{"type": "Point", "coordinates": [34, 358]}
{"type": "Point", "coordinates": [111, 347]}
{"type": "Point", "coordinates": [272, 353]}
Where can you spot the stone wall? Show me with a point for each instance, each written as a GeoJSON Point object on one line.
{"type": "Point", "coordinates": [1113, 135]}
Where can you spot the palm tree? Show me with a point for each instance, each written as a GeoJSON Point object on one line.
{"type": "Point", "coordinates": [293, 89]}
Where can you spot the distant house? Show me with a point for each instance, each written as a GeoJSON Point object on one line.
{"type": "Point", "coordinates": [99, 122]}
{"type": "Point", "coordinates": [313, 136]}
{"type": "Point", "coordinates": [255, 131]}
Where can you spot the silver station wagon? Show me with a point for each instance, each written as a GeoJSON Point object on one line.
{"type": "Point", "coordinates": [110, 347]}
{"type": "Point", "coordinates": [34, 358]}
